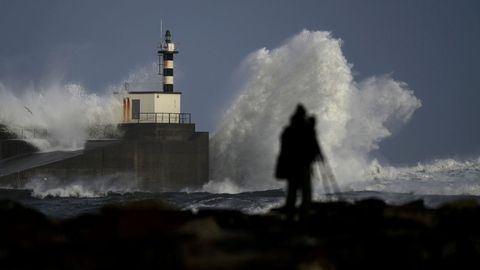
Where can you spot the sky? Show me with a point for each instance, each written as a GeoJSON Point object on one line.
{"type": "Point", "coordinates": [431, 45]}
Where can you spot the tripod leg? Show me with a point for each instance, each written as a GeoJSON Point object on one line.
{"type": "Point", "coordinates": [331, 178]}
{"type": "Point", "coordinates": [324, 177]}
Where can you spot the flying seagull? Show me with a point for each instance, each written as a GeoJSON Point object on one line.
{"type": "Point", "coordinates": [28, 110]}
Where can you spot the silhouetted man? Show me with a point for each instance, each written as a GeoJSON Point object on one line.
{"type": "Point", "coordinates": [299, 149]}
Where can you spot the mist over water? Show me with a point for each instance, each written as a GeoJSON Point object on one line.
{"type": "Point", "coordinates": [352, 116]}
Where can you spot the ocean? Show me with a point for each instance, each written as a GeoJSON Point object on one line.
{"type": "Point", "coordinates": [435, 183]}
{"type": "Point", "coordinates": [257, 202]}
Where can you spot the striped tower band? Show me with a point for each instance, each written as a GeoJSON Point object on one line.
{"type": "Point", "coordinates": [168, 72]}
{"type": "Point", "coordinates": [167, 50]}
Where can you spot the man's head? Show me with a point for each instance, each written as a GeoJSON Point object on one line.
{"type": "Point", "coordinates": [299, 115]}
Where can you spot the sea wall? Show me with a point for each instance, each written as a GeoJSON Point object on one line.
{"type": "Point", "coordinates": [11, 146]}
{"type": "Point", "coordinates": [157, 157]}
{"type": "Point", "coordinates": [14, 147]}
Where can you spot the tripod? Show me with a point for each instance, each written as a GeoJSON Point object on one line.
{"type": "Point", "coordinates": [329, 182]}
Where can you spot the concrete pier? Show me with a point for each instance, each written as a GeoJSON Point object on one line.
{"type": "Point", "coordinates": [156, 157]}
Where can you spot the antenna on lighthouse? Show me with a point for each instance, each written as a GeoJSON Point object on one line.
{"type": "Point", "coordinates": [160, 66]}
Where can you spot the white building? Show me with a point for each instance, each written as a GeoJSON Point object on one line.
{"type": "Point", "coordinates": [153, 107]}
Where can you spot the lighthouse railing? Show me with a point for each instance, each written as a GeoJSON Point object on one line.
{"type": "Point", "coordinates": [166, 118]}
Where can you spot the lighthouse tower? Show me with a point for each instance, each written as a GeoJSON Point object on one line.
{"type": "Point", "coordinates": [167, 50]}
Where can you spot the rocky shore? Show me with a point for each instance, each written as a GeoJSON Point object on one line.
{"type": "Point", "coordinates": [149, 235]}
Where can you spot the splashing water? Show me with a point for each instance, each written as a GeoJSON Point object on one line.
{"type": "Point", "coordinates": [352, 117]}
{"type": "Point", "coordinates": [66, 112]}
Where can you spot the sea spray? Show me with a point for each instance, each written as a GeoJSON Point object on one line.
{"type": "Point", "coordinates": [67, 112]}
{"type": "Point", "coordinates": [352, 117]}
{"type": "Point", "coordinates": [64, 111]}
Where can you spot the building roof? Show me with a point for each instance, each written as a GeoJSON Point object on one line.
{"type": "Point", "coordinates": [154, 92]}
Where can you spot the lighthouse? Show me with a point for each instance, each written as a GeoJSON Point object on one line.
{"type": "Point", "coordinates": [166, 52]}
{"type": "Point", "coordinates": [156, 105]}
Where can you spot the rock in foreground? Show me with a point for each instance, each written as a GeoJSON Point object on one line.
{"type": "Point", "coordinates": [148, 235]}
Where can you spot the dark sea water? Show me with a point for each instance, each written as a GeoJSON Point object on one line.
{"type": "Point", "coordinates": [248, 202]}
{"type": "Point", "coordinates": [66, 207]}
{"type": "Point", "coordinates": [435, 183]}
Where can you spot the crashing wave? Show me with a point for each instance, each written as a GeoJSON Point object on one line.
{"type": "Point", "coordinates": [352, 117]}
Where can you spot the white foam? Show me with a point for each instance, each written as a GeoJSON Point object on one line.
{"type": "Point", "coordinates": [48, 186]}
{"type": "Point", "coordinates": [226, 186]}
{"type": "Point", "coordinates": [438, 177]}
